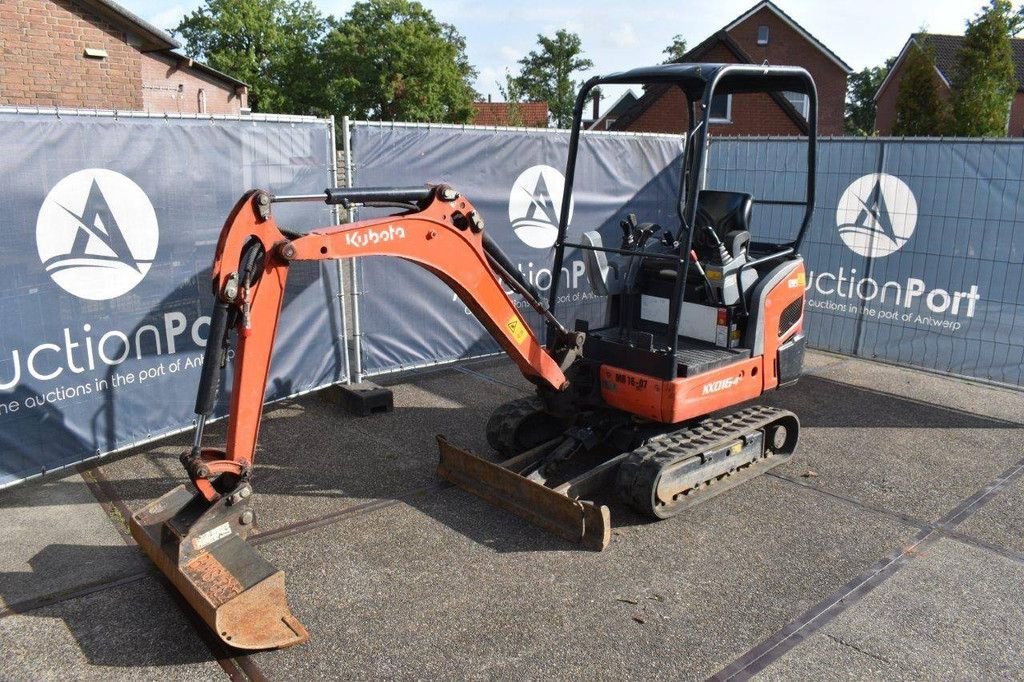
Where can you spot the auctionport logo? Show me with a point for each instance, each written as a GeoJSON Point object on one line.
{"type": "Point", "coordinates": [535, 204]}
{"type": "Point", "coordinates": [97, 234]}
{"type": "Point", "coordinates": [877, 215]}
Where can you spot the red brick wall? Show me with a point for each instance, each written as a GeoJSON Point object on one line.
{"type": "Point", "coordinates": [787, 47]}
{"type": "Point", "coordinates": [42, 63]}
{"type": "Point", "coordinates": [759, 114]}
{"type": "Point", "coordinates": [1017, 116]}
{"type": "Point", "coordinates": [885, 105]}
{"type": "Point", "coordinates": [170, 87]}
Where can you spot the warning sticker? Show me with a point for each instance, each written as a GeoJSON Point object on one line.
{"type": "Point", "coordinates": [517, 329]}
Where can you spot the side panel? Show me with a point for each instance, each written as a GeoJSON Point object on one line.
{"type": "Point", "coordinates": [682, 399]}
{"type": "Point", "coordinates": [783, 294]}
{"type": "Point", "coordinates": [711, 391]}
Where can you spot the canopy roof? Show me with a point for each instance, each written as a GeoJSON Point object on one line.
{"type": "Point", "coordinates": [731, 78]}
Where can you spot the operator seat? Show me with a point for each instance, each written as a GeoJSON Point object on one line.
{"type": "Point", "coordinates": [729, 214]}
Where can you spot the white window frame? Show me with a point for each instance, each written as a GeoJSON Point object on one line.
{"type": "Point", "coordinates": [767, 35]}
{"type": "Point", "coordinates": [802, 109]}
{"type": "Point", "coordinates": [728, 111]}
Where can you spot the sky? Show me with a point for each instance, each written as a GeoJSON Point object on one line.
{"type": "Point", "coordinates": [619, 34]}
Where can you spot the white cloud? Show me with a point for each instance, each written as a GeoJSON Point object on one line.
{"type": "Point", "coordinates": [623, 36]}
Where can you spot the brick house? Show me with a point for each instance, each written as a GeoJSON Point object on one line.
{"type": "Point", "coordinates": [764, 33]}
{"type": "Point", "coordinates": [599, 121]}
{"type": "Point", "coordinates": [531, 114]}
{"type": "Point", "coordinates": [95, 54]}
{"type": "Point", "coordinates": [946, 48]}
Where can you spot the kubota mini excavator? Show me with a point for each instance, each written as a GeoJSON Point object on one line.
{"type": "Point", "coordinates": [701, 319]}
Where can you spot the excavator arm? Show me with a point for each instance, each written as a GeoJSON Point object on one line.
{"type": "Point", "coordinates": [198, 540]}
{"type": "Point", "coordinates": [250, 270]}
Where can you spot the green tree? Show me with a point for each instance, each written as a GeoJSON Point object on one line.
{"type": "Point", "coordinates": [546, 74]}
{"type": "Point", "coordinates": [393, 60]}
{"type": "Point", "coordinates": [270, 44]}
{"type": "Point", "coordinates": [675, 51]}
{"type": "Point", "coordinates": [984, 81]}
{"type": "Point", "coordinates": [920, 109]}
{"type": "Point", "coordinates": [860, 98]}
{"type": "Point", "coordinates": [513, 96]}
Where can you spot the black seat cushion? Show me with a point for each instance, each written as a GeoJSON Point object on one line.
{"type": "Point", "coordinates": [729, 214]}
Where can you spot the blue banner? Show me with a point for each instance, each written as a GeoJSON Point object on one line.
{"type": "Point", "coordinates": [109, 228]}
{"type": "Point", "coordinates": [514, 179]}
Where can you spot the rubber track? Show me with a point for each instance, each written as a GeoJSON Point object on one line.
{"type": "Point", "coordinates": [503, 422]}
{"type": "Point", "coordinates": [639, 473]}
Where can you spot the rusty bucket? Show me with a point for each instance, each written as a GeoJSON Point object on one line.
{"type": "Point", "coordinates": [201, 548]}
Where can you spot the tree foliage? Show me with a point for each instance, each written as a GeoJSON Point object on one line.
{"type": "Point", "coordinates": [385, 59]}
{"type": "Point", "coordinates": [393, 60]}
{"type": "Point", "coordinates": [860, 98]}
{"type": "Point", "coordinates": [984, 81]}
{"type": "Point", "coordinates": [920, 110]}
{"type": "Point", "coordinates": [512, 93]}
{"type": "Point", "coordinates": [547, 73]}
{"type": "Point", "coordinates": [675, 50]}
{"type": "Point", "coordinates": [269, 44]}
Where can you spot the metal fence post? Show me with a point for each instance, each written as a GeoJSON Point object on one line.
{"type": "Point", "coordinates": [336, 219]}
{"type": "Point", "coordinates": [357, 351]}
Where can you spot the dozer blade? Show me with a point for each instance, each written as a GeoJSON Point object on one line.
{"type": "Point", "coordinates": [575, 520]}
{"type": "Point", "coordinates": [201, 548]}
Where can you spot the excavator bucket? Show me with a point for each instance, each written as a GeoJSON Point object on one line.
{"type": "Point", "coordinates": [201, 548]}
{"type": "Point", "coordinates": [551, 509]}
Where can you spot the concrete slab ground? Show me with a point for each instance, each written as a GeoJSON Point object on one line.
{"type": "Point", "coordinates": [888, 547]}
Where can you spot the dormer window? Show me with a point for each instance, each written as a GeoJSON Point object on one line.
{"type": "Point", "coordinates": [762, 35]}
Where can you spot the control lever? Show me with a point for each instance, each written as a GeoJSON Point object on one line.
{"type": "Point", "coordinates": [708, 287]}
{"type": "Point", "coordinates": [645, 232]}
{"type": "Point", "coordinates": [629, 232]}
{"type": "Point", "coordinates": [722, 252]}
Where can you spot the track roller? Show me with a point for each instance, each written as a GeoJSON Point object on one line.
{"type": "Point", "coordinates": [675, 471]}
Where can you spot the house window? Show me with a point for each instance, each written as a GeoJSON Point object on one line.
{"type": "Point", "coordinates": [799, 100]}
{"type": "Point", "coordinates": [762, 35]}
{"type": "Point", "coordinates": [721, 109]}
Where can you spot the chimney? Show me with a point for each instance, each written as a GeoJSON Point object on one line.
{"type": "Point", "coordinates": [488, 99]}
{"type": "Point", "coordinates": [597, 104]}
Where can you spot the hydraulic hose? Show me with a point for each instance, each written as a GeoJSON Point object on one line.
{"type": "Point", "coordinates": [495, 252]}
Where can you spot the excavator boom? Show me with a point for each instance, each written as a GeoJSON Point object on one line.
{"type": "Point", "coordinates": [198, 540]}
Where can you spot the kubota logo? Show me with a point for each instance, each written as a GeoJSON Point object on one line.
{"type": "Point", "coordinates": [97, 234]}
{"type": "Point", "coordinates": [535, 205]}
{"type": "Point", "coordinates": [877, 215]}
{"type": "Point", "coordinates": [362, 238]}
{"type": "Point", "coordinates": [720, 385]}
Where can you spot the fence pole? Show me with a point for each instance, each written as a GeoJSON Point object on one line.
{"type": "Point", "coordinates": [357, 351]}
{"type": "Point", "coordinates": [340, 271]}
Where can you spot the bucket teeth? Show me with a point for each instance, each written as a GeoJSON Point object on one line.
{"type": "Point", "coordinates": [201, 548]}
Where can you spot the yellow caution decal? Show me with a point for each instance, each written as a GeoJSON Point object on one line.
{"type": "Point", "coordinates": [517, 329]}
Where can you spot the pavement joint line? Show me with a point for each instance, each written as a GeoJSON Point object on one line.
{"type": "Point", "coordinates": [238, 667]}
{"type": "Point", "coordinates": [921, 524]}
{"type": "Point", "coordinates": [774, 647]}
{"type": "Point", "coordinates": [52, 598]}
{"type": "Point", "coordinates": [298, 527]}
{"type": "Point", "coordinates": [824, 612]}
{"type": "Point", "coordinates": [487, 377]}
{"type": "Point", "coordinates": [1006, 423]}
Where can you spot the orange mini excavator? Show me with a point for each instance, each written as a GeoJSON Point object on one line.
{"type": "Point", "coordinates": [701, 319]}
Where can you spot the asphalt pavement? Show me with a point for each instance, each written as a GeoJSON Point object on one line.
{"type": "Point", "coordinates": [889, 547]}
